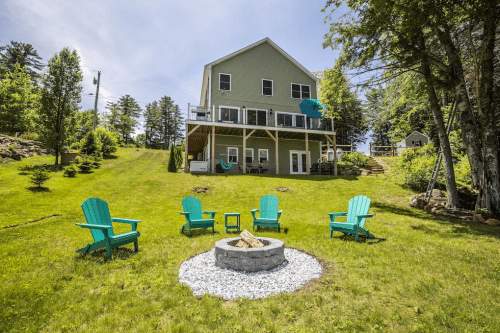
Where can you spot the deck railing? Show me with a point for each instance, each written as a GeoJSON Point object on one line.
{"type": "Point", "coordinates": [202, 113]}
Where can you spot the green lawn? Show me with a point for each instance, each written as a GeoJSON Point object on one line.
{"type": "Point", "coordinates": [421, 274]}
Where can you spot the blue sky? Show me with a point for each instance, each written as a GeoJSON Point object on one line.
{"type": "Point", "coordinates": [150, 49]}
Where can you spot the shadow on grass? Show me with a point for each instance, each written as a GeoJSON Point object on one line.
{"type": "Point", "coordinates": [100, 256]}
{"type": "Point", "coordinates": [199, 232]}
{"type": "Point", "coordinates": [361, 239]}
{"type": "Point", "coordinates": [395, 209]}
{"type": "Point", "coordinates": [36, 189]}
{"type": "Point", "coordinates": [110, 157]}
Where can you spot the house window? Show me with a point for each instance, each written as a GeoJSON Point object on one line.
{"type": "Point", "coordinates": [263, 155]}
{"type": "Point", "coordinates": [229, 115]}
{"type": "Point", "coordinates": [232, 153]}
{"type": "Point", "coordinates": [249, 157]}
{"type": "Point", "coordinates": [224, 81]}
{"type": "Point", "coordinates": [267, 87]}
{"type": "Point", "coordinates": [417, 143]}
{"type": "Point", "coordinates": [301, 91]}
{"type": "Point", "coordinates": [257, 117]}
{"type": "Point", "coordinates": [284, 119]}
{"type": "Point", "coordinates": [300, 121]}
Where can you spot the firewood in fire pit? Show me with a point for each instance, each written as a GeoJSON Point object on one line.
{"type": "Point", "coordinates": [250, 239]}
{"type": "Point", "coordinates": [241, 243]}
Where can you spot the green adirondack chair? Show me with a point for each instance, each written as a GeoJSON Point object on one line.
{"type": "Point", "coordinates": [269, 213]}
{"type": "Point", "coordinates": [357, 214]}
{"type": "Point", "coordinates": [193, 214]}
{"type": "Point", "coordinates": [99, 222]}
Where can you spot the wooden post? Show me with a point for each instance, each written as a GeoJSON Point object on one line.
{"type": "Point", "coordinates": [352, 147]}
{"type": "Point", "coordinates": [186, 151]}
{"type": "Point", "coordinates": [213, 150]}
{"type": "Point", "coordinates": [393, 150]}
{"type": "Point", "coordinates": [370, 149]}
{"type": "Point", "coordinates": [244, 150]}
{"type": "Point", "coordinates": [308, 167]}
{"type": "Point", "coordinates": [277, 156]}
{"type": "Point", "coordinates": [335, 155]}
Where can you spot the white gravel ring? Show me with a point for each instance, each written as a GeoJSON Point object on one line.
{"type": "Point", "coordinates": [202, 276]}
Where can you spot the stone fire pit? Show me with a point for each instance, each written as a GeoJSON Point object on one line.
{"type": "Point", "coordinates": [264, 258]}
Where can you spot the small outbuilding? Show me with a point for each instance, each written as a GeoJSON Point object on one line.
{"type": "Point", "coordinates": [415, 139]}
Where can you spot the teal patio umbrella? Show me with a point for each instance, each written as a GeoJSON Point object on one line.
{"type": "Point", "coordinates": [312, 108]}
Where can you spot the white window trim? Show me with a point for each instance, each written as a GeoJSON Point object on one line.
{"type": "Point", "coordinates": [255, 109]}
{"type": "Point", "coordinates": [267, 154]}
{"type": "Point", "coordinates": [230, 81]}
{"type": "Point", "coordinates": [301, 94]}
{"type": "Point", "coordinates": [228, 107]}
{"type": "Point", "coordinates": [294, 123]}
{"type": "Point", "coordinates": [230, 155]}
{"type": "Point", "coordinates": [272, 87]}
{"type": "Point", "coordinates": [247, 149]}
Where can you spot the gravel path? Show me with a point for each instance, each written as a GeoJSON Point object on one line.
{"type": "Point", "coordinates": [201, 275]}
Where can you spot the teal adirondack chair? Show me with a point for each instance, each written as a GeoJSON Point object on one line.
{"type": "Point", "coordinates": [193, 214]}
{"type": "Point", "coordinates": [99, 222]}
{"type": "Point", "coordinates": [269, 213]}
{"type": "Point", "coordinates": [357, 214]}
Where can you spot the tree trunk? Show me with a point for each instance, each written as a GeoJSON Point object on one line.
{"type": "Point", "coordinates": [451, 186]}
{"type": "Point", "coordinates": [57, 155]}
{"type": "Point", "coordinates": [490, 145]}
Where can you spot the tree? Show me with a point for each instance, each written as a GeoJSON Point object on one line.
{"type": "Point", "coordinates": [108, 140]}
{"type": "Point", "coordinates": [24, 55]}
{"type": "Point", "coordinates": [60, 96]}
{"type": "Point", "coordinates": [152, 125]}
{"type": "Point", "coordinates": [84, 123]}
{"type": "Point", "coordinates": [123, 116]}
{"type": "Point", "coordinates": [18, 101]}
{"type": "Point", "coordinates": [90, 144]}
{"type": "Point", "coordinates": [395, 36]}
{"type": "Point", "coordinates": [166, 106]}
{"type": "Point", "coordinates": [351, 123]}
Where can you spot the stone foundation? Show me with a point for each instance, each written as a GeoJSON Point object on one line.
{"type": "Point", "coordinates": [249, 259]}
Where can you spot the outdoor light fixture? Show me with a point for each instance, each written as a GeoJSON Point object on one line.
{"type": "Point", "coordinates": [270, 112]}
{"type": "Point", "coordinates": [243, 107]}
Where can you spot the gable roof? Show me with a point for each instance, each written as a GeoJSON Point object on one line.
{"type": "Point", "coordinates": [208, 67]}
{"type": "Point", "coordinates": [417, 133]}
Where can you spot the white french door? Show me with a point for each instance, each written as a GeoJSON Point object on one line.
{"type": "Point", "coordinates": [298, 164]}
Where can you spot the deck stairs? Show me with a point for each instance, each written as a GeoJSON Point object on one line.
{"type": "Point", "coordinates": [374, 166]}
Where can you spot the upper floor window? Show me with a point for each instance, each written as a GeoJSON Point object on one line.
{"type": "Point", "coordinates": [229, 115]}
{"type": "Point", "coordinates": [267, 87]}
{"type": "Point", "coordinates": [224, 81]}
{"type": "Point", "coordinates": [301, 91]}
{"type": "Point", "coordinates": [257, 117]}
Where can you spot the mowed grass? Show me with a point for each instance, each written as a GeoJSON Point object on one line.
{"type": "Point", "coordinates": [421, 274]}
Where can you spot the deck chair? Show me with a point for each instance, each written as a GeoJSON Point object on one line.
{"type": "Point", "coordinates": [269, 213]}
{"type": "Point", "coordinates": [315, 169]}
{"type": "Point", "coordinates": [193, 214]}
{"type": "Point", "coordinates": [356, 214]}
{"type": "Point", "coordinates": [96, 213]}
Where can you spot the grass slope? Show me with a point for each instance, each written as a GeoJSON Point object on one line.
{"type": "Point", "coordinates": [422, 274]}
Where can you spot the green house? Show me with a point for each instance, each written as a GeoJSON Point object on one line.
{"type": "Point", "coordinates": [249, 115]}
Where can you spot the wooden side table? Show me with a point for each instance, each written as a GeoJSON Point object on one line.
{"type": "Point", "coordinates": [232, 226]}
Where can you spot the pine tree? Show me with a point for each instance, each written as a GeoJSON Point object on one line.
{"type": "Point", "coordinates": [24, 55]}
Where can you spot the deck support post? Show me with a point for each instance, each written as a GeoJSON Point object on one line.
{"type": "Point", "coordinates": [212, 151]}
{"type": "Point", "coordinates": [277, 156]}
{"type": "Point", "coordinates": [186, 151]}
{"type": "Point", "coordinates": [308, 162]}
{"type": "Point", "coordinates": [244, 150]}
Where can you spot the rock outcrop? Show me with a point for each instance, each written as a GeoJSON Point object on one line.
{"type": "Point", "coordinates": [18, 149]}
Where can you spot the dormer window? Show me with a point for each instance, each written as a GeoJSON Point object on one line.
{"type": "Point", "coordinates": [224, 81]}
{"type": "Point", "coordinates": [267, 87]}
{"type": "Point", "coordinates": [301, 91]}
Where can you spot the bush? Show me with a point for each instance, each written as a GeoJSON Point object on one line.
{"type": "Point", "coordinates": [462, 170]}
{"type": "Point", "coordinates": [90, 144]}
{"type": "Point", "coordinates": [29, 136]}
{"type": "Point", "coordinates": [25, 166]}
{"type": "Point", "coordinates": [178, 157]}
{"type": "Point", "coordinates": [108, 140]}
{"type": "Point", "coordinates": [75, 146]}
{"type": "Point", "coordinates": [172, 166]}
{"type": "Point", "coordinates": [416, 166]}
{"type": "Point", "coordinates": [70, 170]}
{"type": "Point", "coordinates": [86, 164]}
{"type": "Point", "coordinates": [357, 159]}
{"type": "Point", "coordinates": [39, 176]}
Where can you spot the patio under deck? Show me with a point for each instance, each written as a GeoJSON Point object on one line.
{"type": "Point", "coordinates": [198, 132]}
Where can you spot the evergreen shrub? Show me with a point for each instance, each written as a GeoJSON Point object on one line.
{"type": "Point", "coordinates": [70, 170]}
{"type": "Point", "coordinates": [25, 166]}
{"type": "Point", "coordinates": [108, 140]}
{"type": "Point", "coordinates": [90, 144]}
{"type": "Point", "coordinates": [39, 176]}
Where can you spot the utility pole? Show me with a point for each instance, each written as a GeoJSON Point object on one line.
{"type": "Point", "coordinates": [96, 98]}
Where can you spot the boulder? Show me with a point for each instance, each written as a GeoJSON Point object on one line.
{"type": "Point", "coordinates": [437, 193]}
{"type": "Point", "coordinates": [492, 222]}
{"type": "Point", "coordinates": [478, 218]}
{"type": "Point", "coordinates": [428, 209]}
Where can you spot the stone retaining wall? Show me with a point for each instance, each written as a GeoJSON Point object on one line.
{"type": "Point", "coordinates": [249, 259]}
{"type": "Point", "coordinates": [22, 148]}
